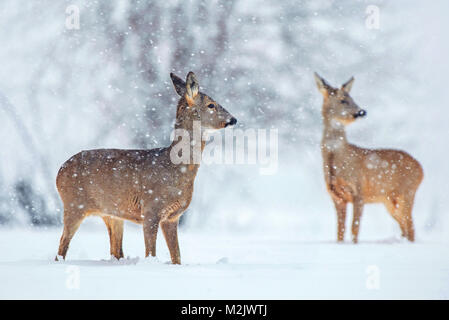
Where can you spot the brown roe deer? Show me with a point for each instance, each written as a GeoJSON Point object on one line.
{"type": "Point", "coordinates": [142, 186]}
{"type": "Point", "coordinates": [359, 175]}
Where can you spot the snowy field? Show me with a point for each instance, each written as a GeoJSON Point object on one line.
{"type": "Point", "coordinates": [221, 266]}
{"type": "Point", "coordinates": [106, 84]}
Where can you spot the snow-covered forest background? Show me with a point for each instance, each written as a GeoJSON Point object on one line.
{"type": "Point", "coordinates": [107, 85]}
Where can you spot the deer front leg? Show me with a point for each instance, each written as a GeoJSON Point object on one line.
{"type": "Point", "coordinates": [170, 231]}
{"type": "Point", "coordinates": [115, 230]}
{"type": "Point", "coordinates": [340, 206]}
{"type": "Point", "coordinates": [358, 209]}
{"type": "Point", "coordinates": [150, 227]}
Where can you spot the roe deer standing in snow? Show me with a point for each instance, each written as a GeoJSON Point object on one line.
{"type": "Point", "coordinates": [361, 175]}
{"type": "Point", "coordinates": [142, 186]}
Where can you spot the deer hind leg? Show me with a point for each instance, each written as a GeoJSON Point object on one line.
{"type": "Point", "coordinates": [170, 231]}
{"type": "Point", "coordinates": [358, 209]}
{"type": "Point", "coordinates": [72, 221]}
{"type": "Point", "coordinates": [340, 206]}
{"type": "Point", "coordinates": [400, 209]}
{"type": "Point", "coordinates": [406, 213]}
{"type": "Point", "coordinates": [115, 230]}
{"type": "Point", "coordinates": [150, 227]}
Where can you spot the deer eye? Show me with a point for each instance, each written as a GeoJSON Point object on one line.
{"type": "Point", "coordinates": [344, 101]}
{"type": "Point", "coordinates": [211, 106]}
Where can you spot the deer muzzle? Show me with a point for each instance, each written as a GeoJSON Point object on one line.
{"type": "Point", "coordinates": [231, 122]}
{"type": "Point", "coordinates": [360, 114]}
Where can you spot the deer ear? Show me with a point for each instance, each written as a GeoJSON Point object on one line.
{"type": "Point", "coordinates": [322, 85]}
{"type": "Point", "coordinates": [192, 87]}
{"type": "Point", "coordinates": [179, 84]}
{"type": "Point", "coordinates": [348, 85]}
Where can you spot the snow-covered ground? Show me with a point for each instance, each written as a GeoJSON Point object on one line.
{"type": "Point", "coordinates": [247, 235]}
{"type": "Point", "coordinates": [222, 266]}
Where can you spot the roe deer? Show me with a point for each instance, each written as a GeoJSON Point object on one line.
{"type": "Point", "coordinates": [361, 175]}
{"type": "Point", "coordinates": [142, 186]}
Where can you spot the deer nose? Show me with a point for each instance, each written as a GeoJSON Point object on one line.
{"type": "Point", "coordinates": [231, 122]}
{"type": "Point", "coordinates": [361, 113]}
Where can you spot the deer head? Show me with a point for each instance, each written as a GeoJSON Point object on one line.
{"type": "Point", "coordinates": [338, 104]}
{"type": "Point", "coordinates": [196, 106]}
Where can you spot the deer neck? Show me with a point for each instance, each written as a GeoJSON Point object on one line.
{"type": "Point", "coordinates": [193, 133]}
{"type": "Point", "coordinates": [334, 136]}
